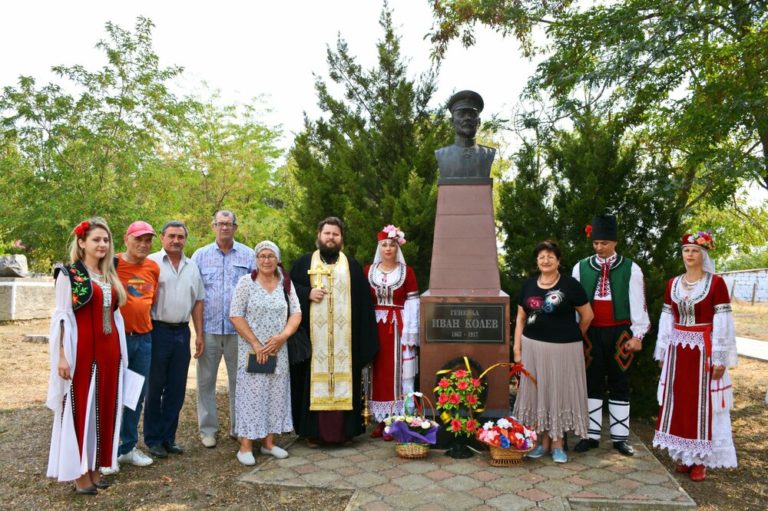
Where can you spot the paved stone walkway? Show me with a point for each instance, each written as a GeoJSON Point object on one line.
{"type": "Point", "coordinates": [599, 479]}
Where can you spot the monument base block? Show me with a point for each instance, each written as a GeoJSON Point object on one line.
{"type": "Point", "coordinates": [476, 327]}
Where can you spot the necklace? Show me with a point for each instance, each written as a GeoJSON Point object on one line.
{"type": "Point", "coordinates": [386, 271]}
{"type": "Point", "coordinates": [690, 285]}
{"type": "Point", "coordinates": [548, 284]}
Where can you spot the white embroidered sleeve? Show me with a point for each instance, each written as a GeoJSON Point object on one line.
{"type": "Point", "coordinates": [665, 330]}
{"type": "Point", "coordinates": [63, 332]}
{"type": "Point", "coordinates": [638, 309]}
{"type": "Point", "coordinates": [411, 321]}
{"type": "Point", "coordinates": [724, 337]}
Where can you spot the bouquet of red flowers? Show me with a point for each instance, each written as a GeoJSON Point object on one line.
{"type": "Point", "coordinates": [457, 392]}
{"type": "Point", "coordinates": [507, 433]}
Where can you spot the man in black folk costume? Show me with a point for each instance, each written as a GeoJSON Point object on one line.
{"type": "Point", "coordinates": [616, 291]}
{"type": "Point", "coordinates": [337, 312]}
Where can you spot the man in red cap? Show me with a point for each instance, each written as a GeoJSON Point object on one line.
{"type": "Point", "coordinates": [140, 276]}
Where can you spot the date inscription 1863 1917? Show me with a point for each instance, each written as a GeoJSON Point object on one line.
{"type": "Point", "coordinates": [460, 322]}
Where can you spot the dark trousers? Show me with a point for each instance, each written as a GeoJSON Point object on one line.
{"type": "Point", "coordinates": [607, 362]}
{"type": "Point", "coordinates": [167, 383]}
{"type": "Point", "coordinates": [139, 359]}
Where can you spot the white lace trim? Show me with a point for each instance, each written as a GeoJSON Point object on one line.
{"type": "Point", "coordinates": [687, 339]}
{"type": "Point", "coordinates": [382, 315]}
{"type": "Point", "coordinates": [383, 409]}
{"type": "Point", "coordinates": [719, 452]}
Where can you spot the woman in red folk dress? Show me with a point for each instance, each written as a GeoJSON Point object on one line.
{"type": "Point", "coordinates": [696, 343]}
{"type": "Point", "coordinates": [88, 360]}
{"type": "Point", "coordinates": [396, 300]}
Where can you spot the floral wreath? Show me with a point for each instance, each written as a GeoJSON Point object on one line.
{"type": "Point", "coordinates": [701, 239]}
{"type": "Point", "coordinates": [81, 229]}
{"type": "Point", "coordinates": [392, 232]}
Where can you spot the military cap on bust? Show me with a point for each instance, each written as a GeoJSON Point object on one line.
{"type": "Point", "coordinates": [466, 99]}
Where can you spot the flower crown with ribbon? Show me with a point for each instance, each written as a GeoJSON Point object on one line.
{"type": "Point", "coordinates": [81, 229]}
{"type": "Point", "coordinates": [701, 239]}
{"type": "Point", "coordinates": [392, 233]}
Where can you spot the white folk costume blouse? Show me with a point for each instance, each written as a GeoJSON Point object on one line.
{"type": "Point", "coordinates": [64, 460]}
{"type": "Point", "coordinates": [696, 333]}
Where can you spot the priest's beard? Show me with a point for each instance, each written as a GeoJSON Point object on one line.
{"type": "Point", "coordinates": [329, 254]}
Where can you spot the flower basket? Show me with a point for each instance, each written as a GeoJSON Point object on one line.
{"type": "Point", "coordinates": [412, 451]}
{"type": "Point", "coordinates": [506, 457]}
{"type": "Point", "coordinates": [413, 433]}
{"type": "Point", "coordinates": [508, 441]}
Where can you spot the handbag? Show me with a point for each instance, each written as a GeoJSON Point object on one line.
{"type": "Point", "coordinates": [267, 367]}
{"type": "Point", "coordinates": [299, 345]}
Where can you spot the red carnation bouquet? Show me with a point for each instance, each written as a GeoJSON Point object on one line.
{"type": "Point", "coordinates": [459, 392]}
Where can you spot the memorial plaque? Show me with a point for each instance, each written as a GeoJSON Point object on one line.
{"type": "Point", "coordinates": [465, 322]}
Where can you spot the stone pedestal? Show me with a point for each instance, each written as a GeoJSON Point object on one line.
{"type": "Point", "coordinates": [464, 312]}
{"type": "Point", "coordinates": [26, 298]}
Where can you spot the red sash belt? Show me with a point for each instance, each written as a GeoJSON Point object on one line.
{"type": "Point", "coordinates": [707, 331]}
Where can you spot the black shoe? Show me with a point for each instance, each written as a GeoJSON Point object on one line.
{"type": "Point", "coordinates": [158, 451]}
{"type": "Point", "coordinates": [586, 444]}
{"type": "Point", "coordinates": [173, 448]}
{"type": "Point", "coordinates": [102, 484]}
{"type": "Point", "coordinates": [624, 448]}
{"type": "Point", "coordinates": [91, 490]}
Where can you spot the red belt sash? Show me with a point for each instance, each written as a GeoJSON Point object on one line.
{"type": "Point", "coordinates": [707, 331]}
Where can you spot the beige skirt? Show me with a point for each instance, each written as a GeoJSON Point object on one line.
{"type": "Point", "coordinates": [558, 402]}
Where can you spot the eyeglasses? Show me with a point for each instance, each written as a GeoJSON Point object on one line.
{"type": "Point", "coordinates": [263, 257]}
{"type": "Point", "coordinates": [223, 225]}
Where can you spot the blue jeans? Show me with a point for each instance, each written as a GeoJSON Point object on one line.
{"type": "Point", "coordinates": [167, 383]}
{"type": "Point", "coordinates": [139, 358]}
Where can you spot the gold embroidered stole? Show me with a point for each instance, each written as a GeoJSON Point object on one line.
{"type": "Point", "coordinates": [330, 328]}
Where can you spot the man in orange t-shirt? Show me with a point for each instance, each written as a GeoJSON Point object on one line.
{"type": "Point", "coordinates": [140, 276]}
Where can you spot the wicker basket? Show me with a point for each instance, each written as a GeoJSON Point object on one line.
{"type": "Point", "coordinates": [412, 450]}
{"type": "Point", "coordinates": [506, 457]}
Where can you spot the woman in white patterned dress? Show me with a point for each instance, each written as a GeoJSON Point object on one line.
{"type": "Point", "coordinates": [260, 314]}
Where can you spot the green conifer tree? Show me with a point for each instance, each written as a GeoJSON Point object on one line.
{"type": "Point", "coordinates": [369, 159]}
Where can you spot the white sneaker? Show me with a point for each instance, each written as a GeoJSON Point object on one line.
{"type": "Point", "coordinates": [135, 457]}
{"type": "Point", "coordinates": [209, 441]}
{"type": "Point", "coordinates": [106, 471]}
{"type": "Point", "coordinates": [276, 451]}
{"type": "Point", "coordinates": [246, 458]}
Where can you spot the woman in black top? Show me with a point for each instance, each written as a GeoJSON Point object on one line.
{"type": "Point", "coordinates": [548, 340]}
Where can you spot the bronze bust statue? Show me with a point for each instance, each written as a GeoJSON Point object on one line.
{"type": "Point", "coordinates": [465, 162]}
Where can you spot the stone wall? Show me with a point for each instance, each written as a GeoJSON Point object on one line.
{"type": "Point", "coordinates": [26, 298]}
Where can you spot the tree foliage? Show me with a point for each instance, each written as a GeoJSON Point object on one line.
{"type": "Point", "coordinates": [118, 143]}
{"type": "Point", "coordinates": [369, 158]}
{"type": "Point", "coordinates": [693, 73]}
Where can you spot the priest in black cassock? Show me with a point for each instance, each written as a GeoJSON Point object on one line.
{"type": "Point", "coordinates": [337, 312]}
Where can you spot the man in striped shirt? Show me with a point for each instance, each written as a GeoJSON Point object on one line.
{"type": "Point", "coordinates": [221, 264]}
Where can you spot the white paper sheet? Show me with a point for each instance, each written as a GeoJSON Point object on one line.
{"type": "Point", "coordinates": [132, 386]}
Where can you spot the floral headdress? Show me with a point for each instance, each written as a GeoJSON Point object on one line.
{"type": "Point", "coordinates": [588, 230]}
{"type": "Point", "coordinates": [392, 232]}
{"type": "Point", "coordinates": [81, 229]}
{"type": "Point", "coordinates": [701, 239]}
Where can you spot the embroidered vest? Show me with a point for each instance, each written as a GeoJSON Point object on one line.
{"type": "Point", "coordinates": [82, 287]}
{"type": "Point", "coordinates": [618, 279]}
